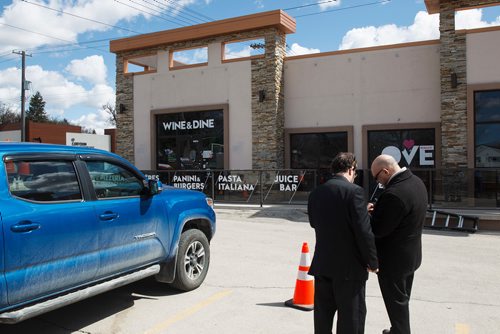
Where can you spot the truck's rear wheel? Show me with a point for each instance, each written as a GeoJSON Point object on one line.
{"type": "Point", "coordinates": [193, 259]}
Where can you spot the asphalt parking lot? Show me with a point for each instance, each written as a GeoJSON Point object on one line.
{"type": "Point", "coordinates": [255, 256]}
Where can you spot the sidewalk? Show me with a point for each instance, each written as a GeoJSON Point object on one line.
{"type": "Point", "coordinates": [489, 219]}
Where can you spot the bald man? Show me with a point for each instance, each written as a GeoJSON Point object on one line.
{"type": "Point", "coordinates": [397, 219]}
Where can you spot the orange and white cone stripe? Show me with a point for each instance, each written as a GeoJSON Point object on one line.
{"type": "Point", "coordinates": [303, 297]}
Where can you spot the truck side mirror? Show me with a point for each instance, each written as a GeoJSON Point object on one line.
{"type": "Point", "coordinates": [155, 187]}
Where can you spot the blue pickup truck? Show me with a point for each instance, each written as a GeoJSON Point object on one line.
{"type": "Point", "coordinates": [75, 222]}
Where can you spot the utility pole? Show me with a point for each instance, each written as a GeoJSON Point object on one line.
{"type": "Point", "coordinates": [23, 93]}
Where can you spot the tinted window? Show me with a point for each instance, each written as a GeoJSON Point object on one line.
{"type": "Point", "coordinates": [111, 180]}
{"type": "Point", "coordinates": [190, 140]}
{"type": "Point", "coordinates": [43, 180]}
{"type": "Point", "coordinates": [487, 129]}
{"type": "Point", "coordinates": [316, 150]}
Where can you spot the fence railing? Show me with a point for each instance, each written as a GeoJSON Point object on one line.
{"type": "Point", "coordinates": [447, 188]}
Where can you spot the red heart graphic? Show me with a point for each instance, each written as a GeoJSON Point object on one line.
{"type": "Point", "coordinates": [408, 143]}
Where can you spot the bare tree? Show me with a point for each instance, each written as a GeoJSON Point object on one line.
{"type": "Point", "coordinates": [8, 116]}
{"type": "Point", "coordinates": [111, 111]}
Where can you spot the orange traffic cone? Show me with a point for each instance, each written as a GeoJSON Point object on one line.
{"type": "Point", "coordinates": [303, 297]}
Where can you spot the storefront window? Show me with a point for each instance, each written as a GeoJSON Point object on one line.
{"type": "Point", "coordinates": [190, 140]}
{"type": "Point", "coordinates": [316, 150]}
{"type": "Point", "coordinates": [487, 128]}
{"type": "Point", "coordinates": [410, 147]}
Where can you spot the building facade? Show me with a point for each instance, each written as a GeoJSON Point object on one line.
{"type": "Point", "coordinates": [430, 104]}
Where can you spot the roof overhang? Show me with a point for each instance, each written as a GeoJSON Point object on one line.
{"type": "Point", "coordinates": [276, 18]}
{"type": "Point", "coordinates": [432, 6]}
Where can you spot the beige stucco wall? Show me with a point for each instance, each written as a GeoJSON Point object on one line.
{"type": "Point", "coordinates": [483, 50]}
{"type": "Point", "coordinates": [217, 83]}
{"type": "Point", "coordinates": [384, 86]}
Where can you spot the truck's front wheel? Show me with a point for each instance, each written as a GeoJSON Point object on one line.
{"type": "Point", "coordinates": [192, 260]}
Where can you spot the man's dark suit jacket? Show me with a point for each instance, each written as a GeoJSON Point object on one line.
{"type": "Point", "coordinates": [397, 223]}
{"type": "Point", "coordinates": [345, 246]}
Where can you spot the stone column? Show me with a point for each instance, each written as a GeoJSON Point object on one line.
{"type": "Point", "coordinates": [124, 121]}
{"type": "Point", "coordinates": [453, 90]}
{"type": "Point", "coordinates": [268, 118]}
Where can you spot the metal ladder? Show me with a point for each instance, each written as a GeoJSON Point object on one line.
{"type": "Point", "coordinates": [460, 219]}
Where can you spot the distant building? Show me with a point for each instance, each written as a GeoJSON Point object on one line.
{"type": "Point", "coordinates": [63, 134]}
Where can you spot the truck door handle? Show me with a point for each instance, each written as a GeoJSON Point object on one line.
{"type": "Point", "coordinates": [25, 226]}
{"type": "Point", "coordinates": [107, 216]}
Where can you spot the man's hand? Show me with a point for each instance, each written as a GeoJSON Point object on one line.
{"type": "Point", "coordinates": [370, 207]}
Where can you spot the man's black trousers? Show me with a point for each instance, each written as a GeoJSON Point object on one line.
{"type": "Point", "coordinates": [396, 291]}
{"type": "Point", "coordinates": [344, 297]}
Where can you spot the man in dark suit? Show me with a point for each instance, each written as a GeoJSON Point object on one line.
{"type": "Point", "coordinates": [397, 221]}
{"type": "Point", "coordinates": [345, 250]}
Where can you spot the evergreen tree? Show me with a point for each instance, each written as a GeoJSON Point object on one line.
{"type": "Point", "coordinates": [36, 111]}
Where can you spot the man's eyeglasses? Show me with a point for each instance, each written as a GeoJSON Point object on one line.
{"type": "Point", "coordinates": [376, 175]}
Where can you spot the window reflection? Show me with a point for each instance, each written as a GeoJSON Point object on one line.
{"type": "Point", "coordinates": [487, 128]}
{"type": "Point", "coordinates": [316, 150]}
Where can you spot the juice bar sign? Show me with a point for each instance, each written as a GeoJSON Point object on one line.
{"type": "Point", "coordinates": [287, 182]}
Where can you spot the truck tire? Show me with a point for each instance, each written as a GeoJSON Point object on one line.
{"type": "Point", "coordinates": [193, 259]}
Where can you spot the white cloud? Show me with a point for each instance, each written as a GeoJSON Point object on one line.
{"type": "Point", "coordinates": [49, 27]}
{"type": "Point", "coordinates": [259, 3]}
{"type": "Point", "coordinates": [97, 121]}
{"type": "Point", "coordinates": [424, 27]}
{"type": "Point", "coordinates": [327, 5]}
{"type": "Point", "coordinates": [99, 95]}
{"type": "Point", "coordinates": [61, 28]}
{"type": "Point", "coordinates": [297, 50]}
{"type": "Point", "coordinates": [91, 69]}
{"type": "Point", "coordinates": [246, 51]}
{"type": "Point", "coordinates": [59, 93]}
{"type": "Point", "coordinates": [473, 18]}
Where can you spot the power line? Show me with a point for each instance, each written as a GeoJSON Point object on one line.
{"type": "Point", "coordinates": [61, 50]}
{"type": "Point", "coordinates": [190, 10]}
{"type": "Point", "coordinates": [345, 8]}
{"type": "Point", "coordinates": [6, 54]}
{"type": "Point", "coordinates": [311, 4]}
{"type": "Point", "coordinates": [80, 17]}
{"type": "Point", "coordinates": [73, 44]}
{"type": "Point", "coordinates": [48, 36]}
{"type": "Point", "coordinates": [179, 9]}
{"type": "Point", "coordinates": [8, 60]}
{"type": "Point", "coordinates": [184, 22]}
{"type": "Point", "coordinates": [143, 11]}
{"type": "Point", "coordinates": [34, 32]}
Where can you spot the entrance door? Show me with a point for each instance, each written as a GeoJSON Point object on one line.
{"type": "Point", "coordinates": [189, 152]}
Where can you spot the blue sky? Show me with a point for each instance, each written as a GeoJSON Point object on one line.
{"type": "Point", "coordinates": [68, 40]}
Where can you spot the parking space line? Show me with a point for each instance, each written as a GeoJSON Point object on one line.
{"type": "Point", "coordinates": [186, 313]}
{"type": "Point", "coordinates": [462, 328]}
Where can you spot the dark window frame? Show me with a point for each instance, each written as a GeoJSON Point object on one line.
{"type": "Point", "coordinates": [477, 123]}
{"type": "Point", "coordinates": [293, 131]}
